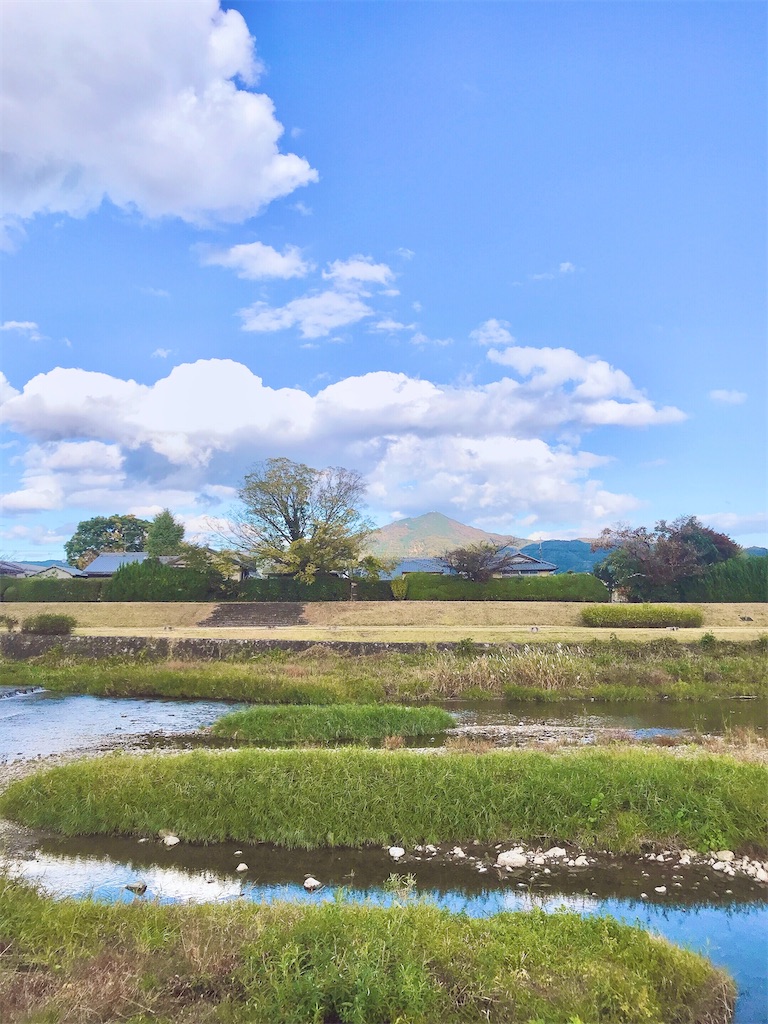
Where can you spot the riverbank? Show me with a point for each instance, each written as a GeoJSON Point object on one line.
{"type": "Point", "coordinates": [283, 672]}
{"type": "Point", "coordinates": [596, 799]}
{"type": "Point", "coordinates": [284, 963]}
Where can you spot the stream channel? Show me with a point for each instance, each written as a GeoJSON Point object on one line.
{"type": "Point", "coordinates": [724, 917]}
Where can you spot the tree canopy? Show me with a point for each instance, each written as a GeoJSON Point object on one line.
{"type": "Point", "coordinates": [105, 533]}
{"type": "Point", "coordinates": [643, 562]}
{"type": "Point", "coordinates": [478, 562]}
{"type": "Point", "coordinates": [302, 521]}
{"type": "Point", "coordinates": [165, 535]}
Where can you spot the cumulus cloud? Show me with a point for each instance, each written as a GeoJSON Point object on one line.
{"type": "Point", "coordinates": [734, 523]}
{"type": "Point", "coordinates": [315, 315]}
{"type": "Point", "coordinates": [492, 332]}
{"type": "Point", "coordinates": [726, 397]}
{"type": "Point", "coordinates": [146, 104]}
{"type": "Point", "coordinates": [255, 261]}
{"type": "Point", "coordinates": [358, 269]}
{"type": "Point", "coordinates": [185, 440]}
{"type": "Point", "coordinates": [27, 327]}
{"type": "Point", "coordinates": [161, 353]}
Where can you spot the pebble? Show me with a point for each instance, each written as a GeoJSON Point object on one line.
{"type": "Point", "coordinates": [311, 884]}
{"type": "Point", "coordinates": [241, 867]}
{"type": "Point", "coordinates": [396, 852]}
{"type": "Point", "coordinates": [139, 888]}
{"type": "Point", "coordinates": [660, 889]}
{"type": "Point", "coordinates": [458, 852]}
{"type": "Point", "coordinates": [171, 840]}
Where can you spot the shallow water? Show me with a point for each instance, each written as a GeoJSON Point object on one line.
{"type": "Point", "coordinates": [42, 722]}
{"type": "Point", "coordinates": [730, 927]}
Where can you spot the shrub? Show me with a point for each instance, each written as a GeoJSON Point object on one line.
{"type": "Point", "coordinates": [9, 622]}
{"type": "Point", "coordinates": [151, 580]}
{"type": "Point", "coordinates": [399, 588]}
{"type": "Point", "coordinates": [373, 590]}
{"type": "Point", "coordinates": [288, 588]}
{"type": "Point", "coordinates": [54, 591]}
{"type": "Point", "coordinates": [48, 624]}
{"type": "Point", "coordinates": [568, 587]}
{"type": "Point", "coordinates": [640, 615]}
{"type": "Point", "coordinates": [738, 579]}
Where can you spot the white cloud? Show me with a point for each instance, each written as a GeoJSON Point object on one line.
{"type": "Point", "coordinates": [7, 391]}
{"type": "Point", "coordinates": [390, 326]}
{"type": "Point", "coordinates": [567, 268]}
{"type": "Point", "coordinates": [734, 523]}
{"type": "Point", "coordinates": [157, 293]}
{"type": "Point", "coordinates": [358, 270]}
{"type": "Point", "coordinates": [184, 441]}
{"type": "Point", "coordinates": [28, 327]}
{"type": "Point", "coordinates": [492, 332]}
{"type": "Point", "coordinates": [140, 103]}
{"type": "Point", "coordinates": [405, 254]}
{"type": "Point", "coordinates": [314, 315]}
{"type": "Point", "coordinates": [420, 339]}
{"type": "Point", "coordinates": [255, 261]}
{"type": "Point", "coordinates": [161, 353]}
{"type": "Point", "coordinates": [728, 397]}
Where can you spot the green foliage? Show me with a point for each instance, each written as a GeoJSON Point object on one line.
{"type": "Point", "coordinates": [606, 670]}
{"type": "Point", "coordinates": [399, 588]}
{"type": "Point", "coordinates": [151, 580]}
{"type": "Point", "coordinates": [737, 580]}
{"type": "Point", "coordinates": [302, 521]}
{"type": "Point", "coordinates": [478, 562]}
{"type": "Point", "coordinates": [328, 723]}
{"type": "Point", "coordinates": [105, 533]}
{"type": "Point", "coordinates": [373, 590]}
{"type": "Point", "coordinates": [641, 615]}
{"type": "Point", "coordinates": [653, 564]}
{"type": "Point", "coordinates": [338, 961]}
{"type": "Point", "coordinates": [49, 624]}
{"type": "Point", "coordinates": [577, 587]}
{"type": "Point", "coordinates": [165, 535]}
{"type": "Point", "coordinates": [300, 798]}
{"type": "Point", "coordinates": [53, 591]}
{"type": "Point", "coordinates": [289, 588]}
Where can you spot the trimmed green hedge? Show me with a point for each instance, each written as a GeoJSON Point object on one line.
{"type": "Point", "coordinates": [286, 588]}
{"type": "Point", "coordinates": [374, 590]}
{"type": "Point", "coordinates": [641, 615]}
{"type": "Point", "coordinates": [153, 581]}
{"type": "Point", "coordinates": [738, 579]}
{"type": "Point", "coordinates": [49, 624]}
{"type": "Point", "coordinates": [424, 586]}
{"type": "Point", "coordinates": [50, 590]}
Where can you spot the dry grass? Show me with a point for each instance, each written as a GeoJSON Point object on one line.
{"type": "Point", "coordinates": [396, 621]}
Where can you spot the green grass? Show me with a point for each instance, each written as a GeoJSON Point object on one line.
{"type": "Point", "coordinates": [330, 722]}
{"type": "Point", "coordinates": [641, 615]}
{"type": "Point", "coordinates": [612, 670]}
{"type": "Point", "coordinates": [352, 964]}
{"type": "Point", "coordinates": [600, 799]}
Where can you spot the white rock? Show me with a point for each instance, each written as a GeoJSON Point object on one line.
{"type": "Point", "coordinates": [547, 871]}
{"type": "Point", "coordinates": [685, 861]}
{"type": "Point", "coordinates": [539, 859]}
{"type": "Point", "coordinates": [718, 866]}
{"type": "Point", "coordinates": [555, 852]}
{"type": "Point", "coordinates": [581, 862]}
{"type": "Point", "coordinates": [419, 849]}
{"type": "Point", "coordinates": [143, 840]}
{"type": "Point", "coordinates": [482, 869]}
{"type": "Point", "coordinates": [571, 863]}
{"type": "Point", "coordinates": [761, 875]}
{"type": "Point", "coordinates": [511, 859]}
{"type": "Point", "coordinates": [311, 884]}
{"type": "Point", "coordinates": [430, 848]}
{"type": "Point", "coordinates": [241, 867]}
{"type": "Point", "coordinates": [643, 895]}
{"type": "Point", "coordinates": [238, 853]}
{"type": "Point", "coordinates": [458, 852]}
{"type": "Point", "coordinates": [171, 840]}
{"type": "Point", "coordinates": [661, 889]}
{"type": "Point", "coordinates": [396, 852]}
{"type": "Point", "coordinates": [725, 855]}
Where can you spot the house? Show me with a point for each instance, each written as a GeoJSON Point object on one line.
{"type": "Point", "coordinates": [28, 570]}
{"type": "Point", "coordinates": [526, 565]}
{"type": "Point", "coordinates": [107, 563]}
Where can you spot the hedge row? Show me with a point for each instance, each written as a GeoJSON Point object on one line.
{"type": "Point", "coordinates": [567, 587]}
{"type": "Point", "coordinates": [50, 590]}
{"type": "Point", "coordinates": [640, 615]}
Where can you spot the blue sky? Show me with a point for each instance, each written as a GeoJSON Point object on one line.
{"type": "Point", "coordinates": [508, 260]}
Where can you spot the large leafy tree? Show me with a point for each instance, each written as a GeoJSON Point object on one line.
{"type": "Point", "coordinates": [105, 533]}
{"type": "Point", "coordinates": [644, 563]}
{"type": "Point", "coordinates": [302, 521]}
{"type": "Point", "coordinates": [478, 562]}
{"type": "Point", "coordinates": [165, 535]}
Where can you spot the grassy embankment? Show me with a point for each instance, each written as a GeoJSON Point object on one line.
{"type": "Point", "coordinates": [605, 670]}
{"type": "Point", "coordinates": [331, 722]}
{"type": "Point", "coordinates": [427, 621]}
{"type": "Point", "coordinates": [77, 961]}
{"type": "Point", "coordinates": [613, 800]}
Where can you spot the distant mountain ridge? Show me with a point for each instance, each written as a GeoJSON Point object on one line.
{"type": "Point", "coordinates": [432, 534]}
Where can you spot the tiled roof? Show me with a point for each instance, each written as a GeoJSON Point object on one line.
{"type": "Point", "coordinates": [109, 562]}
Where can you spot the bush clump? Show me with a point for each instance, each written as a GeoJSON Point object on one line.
{"type": "Point", "coordinates": [640, 616]}
{"type": "Point", "coordinates": [51, 590]}
{"type": "Point", "coordinates": [328, 723]}
{"type": "Point", "coordinates": [49, 624]}
{"type": "Point", "coordinates": [152, 580]}
{"type": "Point", "coordinates": [288, 588]}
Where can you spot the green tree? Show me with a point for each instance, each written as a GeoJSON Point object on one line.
{"type": "Point", "coordinates": [165, 535]}
{"type": "Point", "coordinates": [105, 533]}
{"type": "Point", "coordinates": [652, 564]}
{"type": "Point", "coordinates": [302, 521]}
